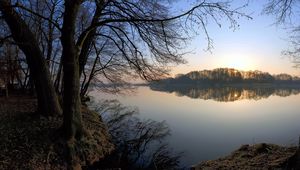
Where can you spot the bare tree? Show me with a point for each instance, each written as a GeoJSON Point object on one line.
{"type": "Point", "coordinates": [139, 39]}
{"type": "Point", "coordinates": [23, 36]}
{"type": "Point", "coordinates": [287, 12]}
{"type": "Point", "coordinates": [143, 34]}
{"type": "Point", "coordinates": [282, 9]}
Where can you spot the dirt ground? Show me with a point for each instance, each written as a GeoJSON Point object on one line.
{"type": "Point", "coordinates": [30, 141]}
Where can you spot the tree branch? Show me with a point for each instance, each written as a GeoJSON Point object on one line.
{"type": "Point", "coordinates": [17, 5]}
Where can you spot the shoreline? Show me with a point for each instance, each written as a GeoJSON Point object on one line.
{"type": "Point", "coordinates": [258, 156]}
{"type": "Point", "coordinates": [27, 141]}
{"type": "Point", "coordinates": [218, 85]}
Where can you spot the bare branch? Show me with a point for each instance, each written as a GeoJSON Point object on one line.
{"type": "Point", "coordinates": [17, 5]}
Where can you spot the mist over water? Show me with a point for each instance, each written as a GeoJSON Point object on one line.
{"type": "Point", "coordinates": [207, 123]}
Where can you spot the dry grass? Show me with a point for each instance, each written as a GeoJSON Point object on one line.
{"type": "Point", "coordinates": [256, 157]}
{"type": "Point", "coordinates": [29, 141]}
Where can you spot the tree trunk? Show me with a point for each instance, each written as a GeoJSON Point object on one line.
{"type": "Point", "coordinates": [72, 124]}
{"type": "Point", "coordinates": [6, 90]}
{"type": "Point", "coordinates": [47, 100]}
{"type": "Point", "coordinates": [86, 85]}
{"type": "Point", "coordinates": [57, 82]}
{"type": "Point", "coordinates": [85, 40]}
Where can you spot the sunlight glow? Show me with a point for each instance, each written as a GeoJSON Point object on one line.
{"type": "Point", "coordinates": [240, 62]}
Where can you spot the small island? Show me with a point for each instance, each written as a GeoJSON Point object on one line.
{"type": "Point", "coordinates": [228, 84]}
{"type": "Point", "coordinates": [231, 77]}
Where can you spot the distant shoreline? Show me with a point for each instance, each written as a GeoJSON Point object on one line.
{"type": "Point", "coordinates": [225, 92]}
{"type": "Point", "coordinates": [237, 85]}
{"type": "Point", "coordinates": [231, 77]}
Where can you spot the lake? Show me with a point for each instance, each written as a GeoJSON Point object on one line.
{"type": "Point", "coordinates": [210, 123]}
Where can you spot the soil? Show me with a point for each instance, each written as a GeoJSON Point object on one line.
{"type": "Point", "coordinates": [30, 141]}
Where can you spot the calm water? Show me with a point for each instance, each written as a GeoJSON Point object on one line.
{"type": "Point", "coordinates": [210, 123]}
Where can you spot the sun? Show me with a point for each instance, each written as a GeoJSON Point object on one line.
{"type": "Point", "coordinates": [240, 62]}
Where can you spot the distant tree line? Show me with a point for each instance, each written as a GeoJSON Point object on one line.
{"type": "Point", "coordinates": [228, 93]}
{"type": "Point", "coordinates": [230, 75]}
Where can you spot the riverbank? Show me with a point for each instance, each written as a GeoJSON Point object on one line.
{"type": "Point", "coordinates": [30, 141]}
{"type": "Point", "coordinates": [253, 157]}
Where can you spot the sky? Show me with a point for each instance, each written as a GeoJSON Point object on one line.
{"type": "Point", "coordinates": [256, 45]}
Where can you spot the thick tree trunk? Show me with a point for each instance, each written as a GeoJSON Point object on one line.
{"type": "Point", "coordinates": [72, 124]}
{"type": "Point", "coordinates": [47, 100]}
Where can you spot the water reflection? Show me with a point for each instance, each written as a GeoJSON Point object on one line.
{"type": "Point", "coordinates": [206, 130]}
{"type": "Point", "coordinates": [139, 144]}
{"type": "Point", "coordinates": [228, 93]}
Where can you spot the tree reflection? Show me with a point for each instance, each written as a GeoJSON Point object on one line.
{"type": "Point", "coordinates": [227, 93]}
{"type": "Point", "coordinates": [139, 143]}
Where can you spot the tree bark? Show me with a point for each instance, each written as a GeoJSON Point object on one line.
{"type": "Point", "coordinates": [47, 100]}
{"type": "Point", "coordinates": [72, 124]}
{"type": "Point", "coordinates": [57, 81]}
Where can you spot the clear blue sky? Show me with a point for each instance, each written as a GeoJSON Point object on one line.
{"type": "Point", "coordinates": [256, 45]}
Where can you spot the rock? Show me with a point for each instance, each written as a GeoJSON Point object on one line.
{"type": "Point", "coordinates": [261, 148]}
{"type": "Point", "coordinates": [244, 148]}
